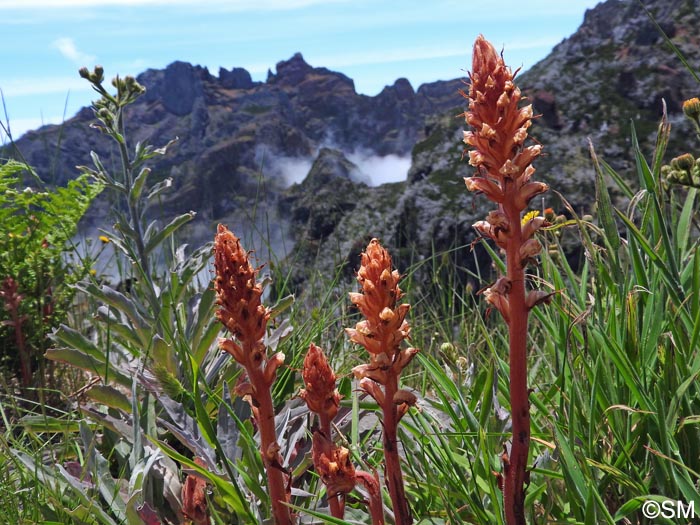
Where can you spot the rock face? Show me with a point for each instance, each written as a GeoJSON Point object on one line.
{"type": "Point", "coordinates": [615, 69]}
{"type": "Point", "coordinates": [238, 137]}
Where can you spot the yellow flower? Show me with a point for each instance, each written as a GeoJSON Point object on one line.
{"type": "Point", "coordinates": [528, 216]}
{"type": "Point", "coordinates": [104, 239]}
{"type": "Point", "coordinates": [93, 271]}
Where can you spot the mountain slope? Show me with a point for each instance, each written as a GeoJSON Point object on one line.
{"type": "Point", "coordinates": [242, 143]}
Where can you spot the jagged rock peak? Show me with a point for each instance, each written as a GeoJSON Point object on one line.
{"type": "Point", "coordinates": [401, 89]}
{"type": "Point", "coordinates": [178, 85]}
{"type": "Point", "coordinates": [330, 164]}
{"type": "Point", "coordinates": [236, 78]}
{"type": "Point", "coordinates": [294, 70]}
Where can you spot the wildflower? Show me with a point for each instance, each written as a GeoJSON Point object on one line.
{"type": "Point", "coordinates": [194, 498]}
{"type": "Point", "coordinates": [104, 239]}
{"type": "Point", "coordinates": [385, 325]}
{"type": "Point", "coordinates": [320, 393]}
{"type": "Point", "coordinates": [691, 108]}
{"type": "Point", "coordinates": [382, 332]}
{"type": "Point", "coordinates": [333, 465]}
{"type": "Point", "coordinates": [504, 173]}
{"type": "Point", "coordinates": [500, 128]}
{"type": "Point", "coordinates": [238, 295]}
{"type": "Point", "coordinates": [529, 216]}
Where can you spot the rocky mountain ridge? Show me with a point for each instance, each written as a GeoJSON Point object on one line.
{"type": "Point", "coordinates": [239, 139]}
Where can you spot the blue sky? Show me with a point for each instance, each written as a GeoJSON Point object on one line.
{"type": "Point", "coordinates": [44, 42]}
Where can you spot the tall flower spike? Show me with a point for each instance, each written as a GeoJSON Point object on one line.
{"type": "Point", "coordinates": [237, 292]}
{"type": "Point", "coordinates": [238, 295]}
{"type": "Point", "coordinates": [503, 173]}
{"type": "Point", "coordinates": [382, 332]}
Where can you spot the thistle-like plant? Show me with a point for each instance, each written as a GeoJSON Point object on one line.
{"type": "Point", "coordinates": [503, 173]}
{"type": "Point", "coordinates": [238, 294]}
{"type": "Point", "coordinates": [382, 333]}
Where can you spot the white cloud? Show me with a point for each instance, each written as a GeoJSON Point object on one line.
{"type": "Point", "coordinates": [381, 170]}
{"type": "Point", "coordinates": [20, 87]}
{"type": "Point", "coordinates": [291, 169]}
{"type": "Point", "coordinates": [66, 46]}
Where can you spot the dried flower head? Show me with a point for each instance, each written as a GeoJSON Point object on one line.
{"type": "Point", "coordinates": [238, 296]}
{"type": "Point", "coordinates": [320, 393]}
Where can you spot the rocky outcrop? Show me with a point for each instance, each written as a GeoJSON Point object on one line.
{"type": "Point", "coordinates": [616, 69]}
{"type": "Point", "coordinates": [236, 78]}
{"type": "Point", "coordinates": [236, 136]}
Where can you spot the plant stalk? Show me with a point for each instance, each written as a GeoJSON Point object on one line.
{"type": "Point", "coordinates": [371, 484]}
{"type": "Point", "coordinates": [393, 475]}
{"type": "Point", "coordinates": [336, 502]}
{"type": "Point", "coordinates": [515, 466]}
{"type": "Point", "coordinates": [269, 448]}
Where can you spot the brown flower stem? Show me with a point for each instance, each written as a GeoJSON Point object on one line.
{"type": "Point", "coordinates": [504, 174]}
{"type": "Point", "coordinates": [371, 484]}
{"type": "Point", "coordinates": [516, 471]}
{"type": "Point", "coordinates": [393, 475]}
{"type": "Point", "coordinates": [269, 448]}
{"type": "Point", "coordinates": [238, 295]}
{"type": "Point", "coordinates": [10, 295]}
{"type": "Point", "coordinates": [336, 502]}
{"type": "Point", "coordinates": [381, 333]}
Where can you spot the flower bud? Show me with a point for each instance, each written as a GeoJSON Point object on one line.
{"type": "Point", "coordinates": [691, 108]}
{"type": "Point", "coordinates": [683, 162]}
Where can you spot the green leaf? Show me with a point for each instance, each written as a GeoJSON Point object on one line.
{"type": "Point", "coordinates": [168, 230]}
{"type": "Point", "coordinates": [38, 423]}
{"type": "Point", "coordinates": [572, 470]}
{"type": "Point", "coordinates": [159, 188]}
{"type": "Point", "coordinates": [86, 362]}
{"type": "Point", "coordinates": [138, 185]}
{"type": "Point", "coordinates": [604, 207]}
{"type": "Point", "coordinates": [109, 396]}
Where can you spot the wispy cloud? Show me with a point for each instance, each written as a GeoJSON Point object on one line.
{"type": "Point", "coordinates": [20, 87]}
{"type": "Point", "coordinates": [66, 46]}
{"type": "Point", "coordinates": [237, 5]}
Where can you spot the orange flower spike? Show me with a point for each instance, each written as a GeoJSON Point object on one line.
{"type": "Point", "coordinates": [500, 128]}
{"type": "Point", "coordinates": [333, 465]}
{"type": "Point", "coordinates": [238, 295]}
{"type": "Point", "coordinates": [381, 333]}
{"type": "Point", "coordinates": [503, 173]}
{"type": "Point", "coordinates": [320, 393]}
{"type": "Point", "coordinates": [237, 292]}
